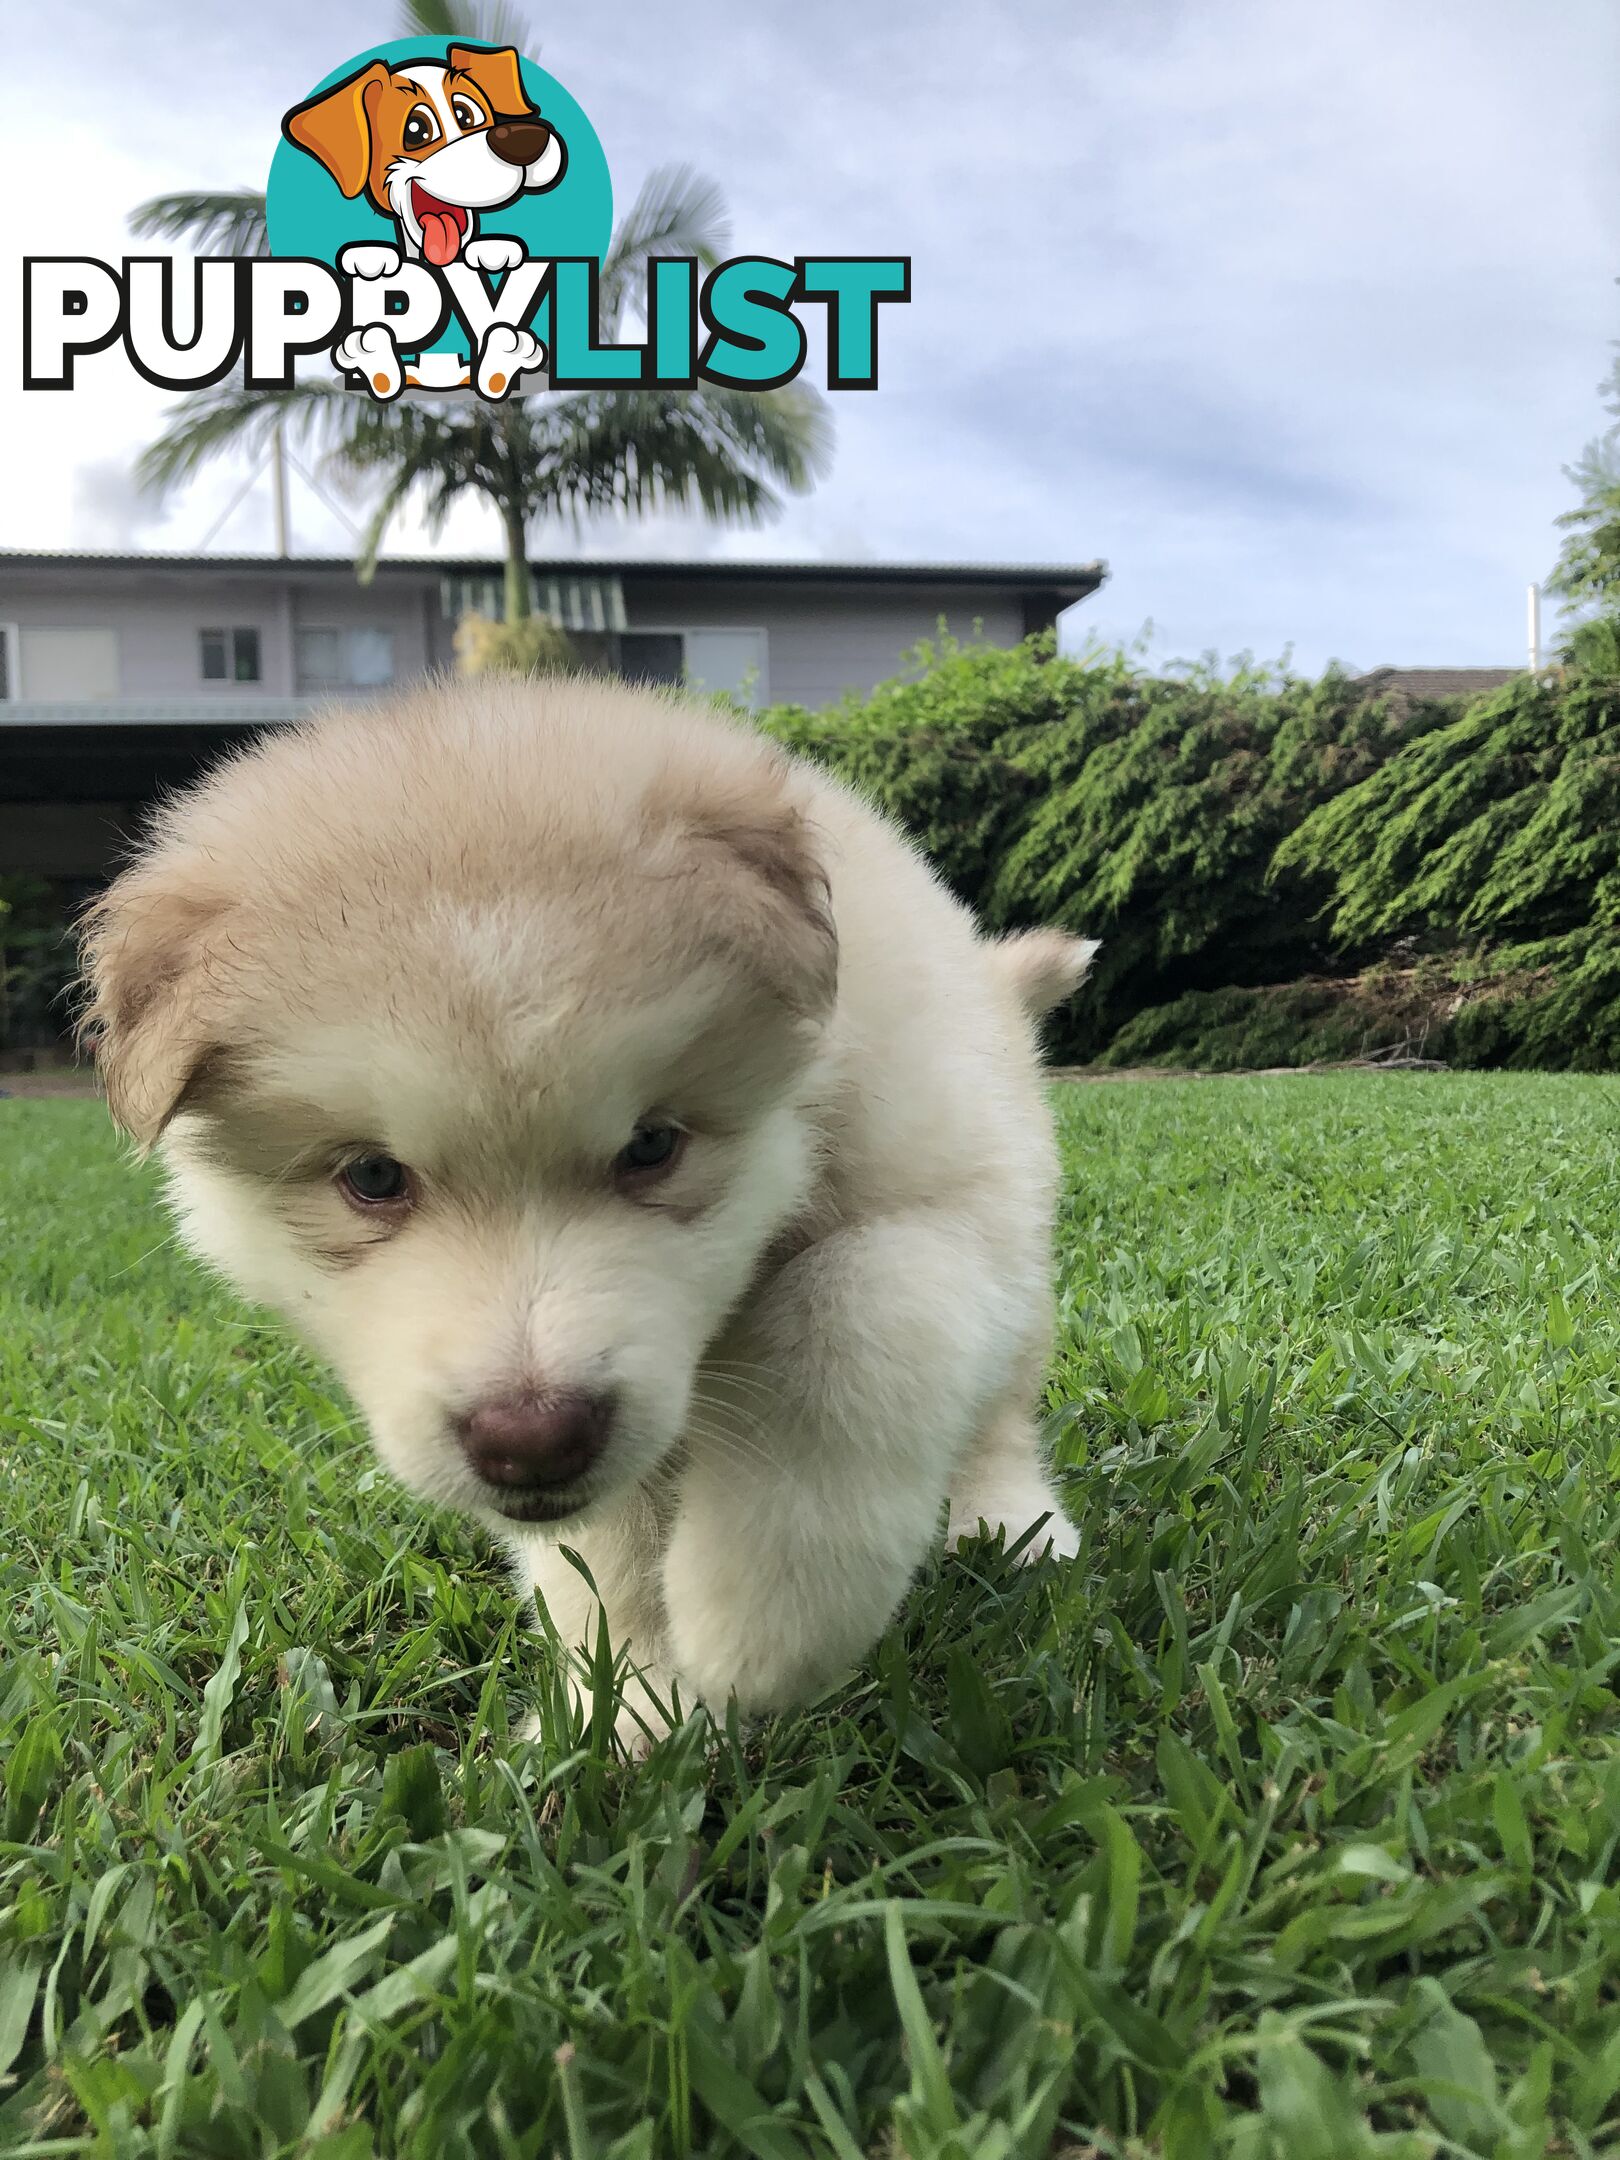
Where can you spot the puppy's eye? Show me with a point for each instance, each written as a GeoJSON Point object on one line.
{"type": "Point", "coordinates": [374, 1181]}
{"type": "Point", "coordinates": [466, 112]}
{"type": "Point", "coordinates": [419, 129]}
{"type": "Point", "coordinates": [652, 1149]}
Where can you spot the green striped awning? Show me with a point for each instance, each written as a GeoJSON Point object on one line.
{"type": "Point", "coordinates": [572, 603]}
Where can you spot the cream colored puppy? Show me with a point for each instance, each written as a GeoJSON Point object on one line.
{"type": "Point", "coordinates": [645, 1136]}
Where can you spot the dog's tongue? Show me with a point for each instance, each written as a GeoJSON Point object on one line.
{"type": "Point", "coordinates": [441, 236]}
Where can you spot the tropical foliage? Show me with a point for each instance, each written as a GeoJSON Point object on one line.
{"type": "Point", "coordinates": [532, 646]}
{"type": "Point", "coordinates": [1280, 870]}
{"type": "Point", "coordinates": [1142, 810]}
{"type": "Point", "coordinates": [1496, 840]}
{"type": "Point", "coordinates": [723, 454]}
{"type": "Point", "coordinates": [1588, 572]}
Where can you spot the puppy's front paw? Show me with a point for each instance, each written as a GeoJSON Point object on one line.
{"type": "Point", "coordinates": [493, 252]}
{"type": "Point", "coordinates": [371, 352]}
{"type": "Point", "coordinates": [503, 358]}
{"type": "Point", "coordinates": [369, 259]}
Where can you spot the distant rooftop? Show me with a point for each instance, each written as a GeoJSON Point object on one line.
{"type": "Point", "coordinates": [1437, 682]}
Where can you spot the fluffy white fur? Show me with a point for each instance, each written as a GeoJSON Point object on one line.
{"type": "Point", "coordinates": [487, 931]}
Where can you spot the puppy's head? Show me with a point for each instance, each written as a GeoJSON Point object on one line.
{"type": "Point", "coordinates": [479, 1037]}
{"type": "Point", "coordinates": [432, 142]}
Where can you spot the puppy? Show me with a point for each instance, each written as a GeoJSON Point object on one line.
{"type": "Point", "coordinates": [641, 1131]}
{"type": "Point", "coordinates": [431, 143]}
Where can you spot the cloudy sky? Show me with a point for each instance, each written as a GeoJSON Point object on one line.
{"type": "Point", "coordinates": [1292, 315]}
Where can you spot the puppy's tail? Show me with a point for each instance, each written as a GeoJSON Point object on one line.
{"type": "Point", "coordinates": [1043, 966]}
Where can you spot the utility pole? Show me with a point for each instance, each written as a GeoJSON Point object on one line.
{"type": "Point", "coordinates": [278, 490]}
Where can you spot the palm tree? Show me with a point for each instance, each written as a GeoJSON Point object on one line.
{"type": "Point", "coordinates": [725, 453]}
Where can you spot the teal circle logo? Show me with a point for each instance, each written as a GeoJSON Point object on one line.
{"type": "Point", "coordinates": [429, 145]}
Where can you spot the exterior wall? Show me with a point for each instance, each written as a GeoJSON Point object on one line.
{"type": "Point", "coordinates": [409, 608]}
{"type": "Point", "coordinates": [825, 639]}
{"type": "Point", "coordinates": [157, 615]}
{"type": "Point", "coordinates": [822, 638]}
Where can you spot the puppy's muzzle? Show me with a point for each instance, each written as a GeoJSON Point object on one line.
{"type": "Point", "coordinates": [519, 142]}
{"type": "Point", "coordinates": [533, 1448]}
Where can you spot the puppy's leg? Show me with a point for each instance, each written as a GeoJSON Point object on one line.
{"type": "Point", "coordinates": [1002, 1483]}
{"type": "Point", "coordinates": [622, 1554]}
{"type": "Point", "coordinates": [791, 1548]}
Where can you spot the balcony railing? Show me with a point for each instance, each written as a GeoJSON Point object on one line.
{"type": "Point", "coordinates": [243, 708]}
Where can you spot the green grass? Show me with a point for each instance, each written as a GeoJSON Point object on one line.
{"type": "Point", "coordinates": [1284, 1822]}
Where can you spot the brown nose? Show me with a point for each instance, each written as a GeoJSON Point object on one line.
{"type": "Point", "coordinates": [535, 1440]}
{"type": "Point", "coordinates": [519, 142]}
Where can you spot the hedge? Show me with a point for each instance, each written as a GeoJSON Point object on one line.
{"type": "Point", "coordinates": [1143, 810]}
{"type": "Point", "coordinates": [1281, 869]}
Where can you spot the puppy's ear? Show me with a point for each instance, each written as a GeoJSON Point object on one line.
{"type": "Point", "coordinates": [335, 127]}
{"type": "Point", "coordinates": [144, 948]}
{"type": "Point", "coordinates": [499, 75]}
{"type": "Point", "coordinates": [771, 894]}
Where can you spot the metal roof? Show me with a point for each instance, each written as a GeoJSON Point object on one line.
{"type": "Point", "coordinates": [1075, 580]}
{"type": "Point", "coordinates": [1433, 682]}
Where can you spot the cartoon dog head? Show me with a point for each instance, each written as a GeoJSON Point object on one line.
{"type": "Point", "coordinates": [432, 142]}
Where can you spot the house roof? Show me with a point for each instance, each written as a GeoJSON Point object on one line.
{"type": "Point", "coordinates": [1438, 682]}
{"type": "Point", "coordinates": [1068, 582]}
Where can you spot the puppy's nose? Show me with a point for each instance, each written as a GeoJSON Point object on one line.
{"type": "Point", "coordinates": [519, 142]}
{"type": "Point", "coordinates": [535, 1439]}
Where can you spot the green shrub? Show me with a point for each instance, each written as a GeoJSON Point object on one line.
{"type": "Point", "coordinates": [1141, 810]}
{"type": "Point", "coordinates": [1247, 1028]}
{"type": "Point", "coordinates": [37, 961]}
{"type": "Point", "coordinates": [1498, 832]}
{"type": "Point", "coordinates": [533, 645]}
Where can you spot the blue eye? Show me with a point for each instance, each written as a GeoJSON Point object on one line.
{"type": "Point", "coordinates": [376, 1181]}
{"type": "Point", "coordinates": [651, 1147]}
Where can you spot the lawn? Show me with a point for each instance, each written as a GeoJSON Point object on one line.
{"type": "Point", "coordinates": [1282, 1822]}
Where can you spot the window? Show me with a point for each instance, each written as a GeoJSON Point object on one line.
{"type": "Point", "coordinates": [361, 659]}
{"type": "Point", "coordinates": [230, 656]}
{"type": "Point", "coordinates": [652, 656]}
{"type": "Point", "coordinates": [712, 662]}
{"type": "Point", "coordinates": [62, 666]}
{"type": "Point", "coordinates": [9, 687]}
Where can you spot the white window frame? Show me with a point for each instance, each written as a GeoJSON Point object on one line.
{"type": "Point", "coordinates": [762, 685]}
{"type": "Point", "coordinates": [12, 694]}
{"type": "Point", "coordinates": [343, 632]}
{"type": "Point", "coordinates": [230, 680]}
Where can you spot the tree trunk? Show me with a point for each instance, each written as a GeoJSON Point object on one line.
{"type": "Point", "coordinates": [517, 563]}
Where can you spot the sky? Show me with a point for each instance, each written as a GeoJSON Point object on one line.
{"type": "Point", "coordinates": [1291, 315]}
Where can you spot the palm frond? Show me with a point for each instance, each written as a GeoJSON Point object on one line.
{"type": "Point", "coordinates": [207, 424]}
{"type": "Point", "coordinates": [222, 221]}
{"type": "Point", "coordinates": [391, 501]}
{"type": "Point", "coordinates": [724, 453]}
{"type": "Point", "coordinates": [486, 22]}
{"type": "Point", "coordinates": [678, 211]}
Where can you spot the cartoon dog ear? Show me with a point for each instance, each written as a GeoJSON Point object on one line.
{"type": "Point", "coordinates": [499, 75]}
{"type": "Point", "coordinates": [144, 948]}
{"type": "Point", "coordinates": [335, 127]}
